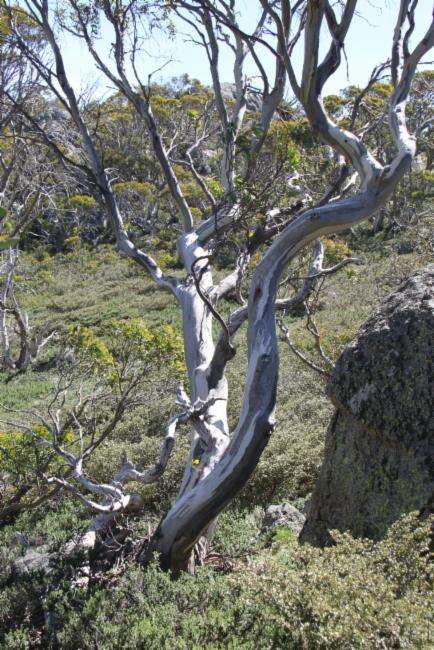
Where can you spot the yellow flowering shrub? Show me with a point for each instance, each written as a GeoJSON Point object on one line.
{"type": "Point", "coordinates": [336, 250]}
{"type": "Point", "coordinates": [82, 202]}
{"type": "Point", "coordinates": [84, 339]}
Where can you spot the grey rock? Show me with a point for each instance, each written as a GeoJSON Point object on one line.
{"type": "Point", "coordinates": [383, 377]}
{"type": "Point", "coordinates": [253, 96]}
{"type": "Point", "coordinates": [379, 455]}
{"type": "Point", "coordinates": [283, 515]}
{"type": "Point", "coordinates": [69, 356]}
{"type": "Point", "coordinates": [33, 560]}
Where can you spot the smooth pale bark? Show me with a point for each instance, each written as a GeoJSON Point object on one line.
{"type": "Point", "coordinates": [210, 438]}
{"type": "Point", "coordinates": [29, 344]}
{"type": "Point", "coordinates": [4, 332]}
{"type": "Point", "coordinates": [182, 526]}
{"type": "Point", "coordinates": [199, 348]}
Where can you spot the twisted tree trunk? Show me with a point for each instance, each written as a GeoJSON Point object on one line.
{"type": "Point", "coordinates": [180, 529]}
{"type": "Point", "coordinates": [218, 467]}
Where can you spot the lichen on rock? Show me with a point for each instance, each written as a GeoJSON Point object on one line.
{"type": "Point", "coordinates": [379, 456]}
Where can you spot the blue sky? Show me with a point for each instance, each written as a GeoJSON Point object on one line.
{"type": "Point", "coordinates": [368, 43]}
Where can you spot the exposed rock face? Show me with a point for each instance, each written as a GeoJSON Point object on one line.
{"type": "Point", "coordinates": [283, 515]}
{"type": "Point", "coordinates": [379, 456]}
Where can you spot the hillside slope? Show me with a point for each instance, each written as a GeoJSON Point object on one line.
{"type": "Point", "coordinates": [263, 586]}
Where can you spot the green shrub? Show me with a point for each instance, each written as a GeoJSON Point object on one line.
{"type": "Point", "coordinates": [355, 595]}
{"type": "Point", "coordinates": [169, 261]}
{"type": "Point", "coordinates": [83, 202]}
{"type": "Point", "coordinates": [238, 532]}
{"type": "Point", "coordinates": [336, 250]}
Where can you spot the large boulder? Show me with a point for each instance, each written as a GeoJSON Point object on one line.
{"type": "Point", "coordinates": [379, 455]}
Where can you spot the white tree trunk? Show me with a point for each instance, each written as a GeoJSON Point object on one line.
{"type": "Point", "coordinates": [207, 443]}
{"type": "Point", "coordinates": [193, 512]}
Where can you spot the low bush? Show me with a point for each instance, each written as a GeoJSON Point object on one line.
{"type": "Point", "coordinates": [355, 595]}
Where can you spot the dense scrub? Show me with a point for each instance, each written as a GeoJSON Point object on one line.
{"type": "Point", "coordinates": [357, 594]}
{"type": "Point", "coordinates": [257, 589]}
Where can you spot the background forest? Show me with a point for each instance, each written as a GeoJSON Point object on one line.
{"type": "Point", "coordinates": [81, 324]}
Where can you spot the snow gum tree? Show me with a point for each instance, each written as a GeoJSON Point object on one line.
{"type": "Point", "coordinates": [220, 461]}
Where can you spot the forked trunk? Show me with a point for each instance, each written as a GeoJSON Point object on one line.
{"type": "Point", "coordinates": [183, 525]}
